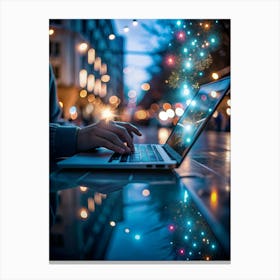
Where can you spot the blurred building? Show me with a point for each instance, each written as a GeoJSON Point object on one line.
{"type": "Point", "coordinates": [87, 58]}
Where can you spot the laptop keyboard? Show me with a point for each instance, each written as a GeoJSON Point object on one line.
{"type": "Point", "coordinates": [142, 153]}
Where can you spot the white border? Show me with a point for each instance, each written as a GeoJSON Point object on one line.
{"type": "Point", "coordinates": [255, 138]}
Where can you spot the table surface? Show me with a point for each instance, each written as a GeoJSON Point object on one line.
{"type": "Point", "coordinates": [177, 215]}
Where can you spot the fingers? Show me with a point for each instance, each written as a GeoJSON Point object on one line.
{"type": "Point", "coordinates": [123, 134]}
{"type": "Point", "coordinates": [111, 135]}
{"type": "Point", "coordinates": [103, 142]}
{"type": "Point", "coordinates": [123, 130]}
{"type": "Point", "coordinates": [130, 127]}
{"type": "Point", "coordinates": [116, 143]}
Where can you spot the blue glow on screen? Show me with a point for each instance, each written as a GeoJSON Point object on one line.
{"type": "Point", "coordinates": [196, 115]}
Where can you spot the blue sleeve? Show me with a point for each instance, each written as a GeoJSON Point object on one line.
{"type": "Point", "coordinates": [63, 140]}
{"type": "Point", "coordinates": [63, 135]}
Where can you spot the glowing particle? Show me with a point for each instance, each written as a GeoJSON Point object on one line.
{"type": "Point", "coordinates": [178, 23]}
{"type": "Point", "coordinates": [194, 244]}
{"type": "Point", "coordinates": [186, 237]}
{"type": "Point", "coordinates": [201, 54]}
{"type": "Point", "coordinates": [228, 111]}
{"type": "Point", "coordinates": [182, 251]}
{"type": "Point", "coordinates": [193, 103]}
{"type": "Point", "coordinates": [127, 230]}
{"type": "Point", "coordinates": [179, 112]}
{"type": "Point", "coordinates": [137, 236]}
{"type": "Point", "coordinates": [188, 64]}
{"type": "Point", "coordinates": [185, 50]}
{"type": "Point", "coordinates": [83, 189]}
{"type": "Point", "coordinates": [73, 110]}
{"type": "Point", "coordinates": [83, 213]}
{"type": "Point", "coordinates": [145, 192]}
{"type": "Point", "coordinates": [171, 227]}
{"type": "Point", "coordinates": [126, 29]}
{"type": "Point", "coordinates": [213, 94]}
{"type": "Point", "coordinates": [112, 223]}
{"type": "Point", "coordinates": [112, 37]}
{"type": "Point", "coordinates": [215, 76]}
{"type": "Point", "coordinates": [188, 140]}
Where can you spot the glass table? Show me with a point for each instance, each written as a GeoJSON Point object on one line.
{"type": "Point", "coordinates": [177, 215]}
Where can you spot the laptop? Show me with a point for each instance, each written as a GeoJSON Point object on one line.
{"type": "Point", "coordinates": [161, 156]}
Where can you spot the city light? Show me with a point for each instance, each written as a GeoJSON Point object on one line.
{"type": "Point", "coordinates": [103, 69]}
{"type": "Point", "coordinates": [126, 29]}
{"type": "Point", "coordinates": [140, 115]}
{"type": "Point", "coordinates": [112, 37]}
{"type": "Point", "coordinates": [83, 189]}
{"type": "Point", "coordinates": [83, 78]}
{"type": "Point", "coordinates": [91, 204]}
{"type": "Point", "coordinates": [145, 192]}
{"type": "Point", "coordinates": [91, 56]}
{"type": "Point", "coordinates": [213, 94]}
{"type": "Point", "coordinates": [215, 76]}
{"type": "Point", "coordinates": [213, 198]}
{"type": "Point", "coordinates": [145, 86]}
{"type": "Point", "coordinates": [83, 93]}
{"type": "Point", "coordinates": [97, 64]}
{"type": "Point", "coordinates": [84, 213]}
{"type": "Point", "coordinates": [105, 78]}
{"type": "Point", "coordinates": [137, 236]}
{"type": "Point", "coordinates": [179, 112]}
{"type": "Point", "coordinates": [113, 99]}
{"type": "Point", "coordinates": [90, 82]}
{"type": "Point", "coordinates": [82, 48]}
{"type": "Point", "coordinates": [112, 223]}
{"type": "Point", "coordinates": [51, 32]}
{"type": "Point", "coordinates": [132, 94]}
{"type": "Point", "coordinates": [228, 111]}
{"type": "Point", "coordinates": [163, 116]}
{"type": "Point", "coordinates": [103, 91]}
{"type": "Point", "coordinates": [170, 113]}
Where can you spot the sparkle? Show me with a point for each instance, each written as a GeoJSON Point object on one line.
{"type": "Point", "coordinates": [171, 227]}
{"type": "Point", "coordinates": [137, 236]}
{"type": "Point", "coordinates": [182, 251]}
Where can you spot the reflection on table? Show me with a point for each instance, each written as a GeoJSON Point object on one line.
{"type": "Point", "coordinates": [179, 215]}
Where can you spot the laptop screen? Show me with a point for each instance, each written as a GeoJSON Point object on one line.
{"type": "Point", "coordinates": [196, 115]}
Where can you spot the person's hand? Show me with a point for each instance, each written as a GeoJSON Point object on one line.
{"type": "Point", "coordinates": [116, 136]}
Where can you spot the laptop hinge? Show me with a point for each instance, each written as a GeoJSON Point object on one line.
{"type": "Point", "coordinates": [172, 154]}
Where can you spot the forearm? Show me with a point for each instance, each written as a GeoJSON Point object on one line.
{"type": "Point", "coordinates": [63, 140]}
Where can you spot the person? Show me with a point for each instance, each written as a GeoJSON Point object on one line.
{"type": "Point", "coordinates": [67, 139]}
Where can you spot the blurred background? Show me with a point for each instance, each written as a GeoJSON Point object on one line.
{"type": "Point", "coordinates": [141, 71]}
